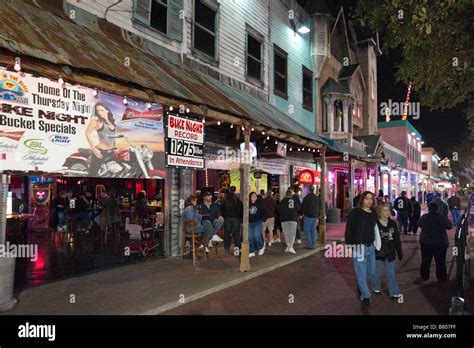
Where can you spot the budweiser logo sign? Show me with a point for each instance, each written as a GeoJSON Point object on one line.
{"type": "Point", "coordinates": [150, 115]}
{"type": "Point", "coordinates": [12, 135]}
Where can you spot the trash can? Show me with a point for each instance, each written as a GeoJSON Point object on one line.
{"type": "Point", "coordinates": [7, 278]}
{"type": "Point", "coordinates": [334, 215]}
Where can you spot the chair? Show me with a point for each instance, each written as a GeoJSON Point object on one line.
{"type": "Point", "coordinates": [193, 236]}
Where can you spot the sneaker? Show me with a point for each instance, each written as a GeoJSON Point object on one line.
{"type": "Point", "coordinates": [207, 250]}
{"type": "Point", "coordinates": [201, 247]}
{"type": "Point", "coordinates": [261, 251]}
{"type": "Point", "coordinates": [286, 249]}
{"type": "Point", "coordinates": [270, 243]}
{"type": "Point", "coordinates": [210, 244]}
{"type": "Point", "coordinates": [278, 240]}
{"type": "Point", "coordinates": [252, 255]}
{"type": "Point", "coordinates": [365, 302]}
{"type": "Point", "coordinates": [298, 241]}
{"type": "Point", "coordinates": [216, 238]}
{"type": "Point", "coordinates": [291, 251]}
{"type": "Point", "coordinates": [378, 292]}
{"type": "Point", "coordinates": [395, 297]}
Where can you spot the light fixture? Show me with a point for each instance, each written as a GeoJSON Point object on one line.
{"type": "Point", "coordinates": [203, 120]}
{"type": "Point", "coordinates": [276, 142]}
{"type": "Point", "coordinates": [299, 149]}
{"type": "Point", "coordinates": [17, 66]}
{"type": "Point", "coordinates": [291, 149]}
{"type": "Point", "coordinates": [268, 137]}
{"type": "Point", "coordinates": [95, 93]}
{"type": "Point", "coordinates": [303, 29]}
{"type": "Point", "coordinates": [218, 123]}
{"type": "Point", "coordinates": [263, 133]}
{"type": "Point", "coordinates": [422, 142]}
{"type": "Point", "coordinates": [253, 129]}
{"type": "Point", "coordinates": [60, 80]}
{"type": "Point", "coordinates": [171, 108]}
{"type": "Point", "coordinates": [148, 106]}
{"type": "Point", "coordinates": [231, 125]}
{"type": "Point", "coordinates": [413, 133]}
{"type": "Point", "coordinates": [187, 110]}
{"type": "Point", "coordinates": [125, 100]}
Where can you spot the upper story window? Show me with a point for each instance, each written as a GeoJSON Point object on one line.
{"type": "Point", "coordinates": [254, 56]}
{"type": "Point", "coordinates": [162, 16]}
{"type": "Point", "coordinates": [424, 165]}
{"type": "Point", "coordinates": [280, 68]}
{"type": "Point", "coordinates": [307, 89]}
{"type": "Point", "coordinates": [153, 13]}
{"type": "Point", "coordinates": [205, 27]}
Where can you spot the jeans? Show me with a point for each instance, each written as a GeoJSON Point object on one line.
{"type": "Point", "coordinates": [216, 224]}
{"type": "Point", "coordinates": [298, 230]}
{"type": "Point", "coordinates": [439, 253]}
{"type": "Point", "coordinates": [205, 227]}
{"type": "Point", "coordinates": [402, 217]}
{"type": "Point", "coordinates": [231, 226]}
{"type": "Point", "coordinates": [393, 288]}
{"type": "Point", "coordinates": [61, 218]}
{"type": "Point", "coordinates": [255, 236]}
{"type": "Point", "coordinates": [364, 269]}
{"type": "Point", "coordinates": [310, 231]}
{"type": "Point", "coordinates": [455, 213]}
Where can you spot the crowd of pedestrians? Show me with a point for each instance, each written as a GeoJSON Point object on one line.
{"type": "Point", "coordinates": [373, 230]}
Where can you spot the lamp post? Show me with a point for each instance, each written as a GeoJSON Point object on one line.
{"type": "Point", "coordinates": [322, 217]}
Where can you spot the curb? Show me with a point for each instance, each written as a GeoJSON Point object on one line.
{"type": "Point", "coordinates": [239, 280]}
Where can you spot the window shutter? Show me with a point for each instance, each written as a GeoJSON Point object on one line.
{"type": "Point", "coordinates": [175, 23]}
{"type": "Point", "coordinates": [322, 39]}
{"type": "Point", "coordinates": [142, 11]}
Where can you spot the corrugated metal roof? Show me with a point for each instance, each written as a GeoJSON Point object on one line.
{"type": "Point", "coordinates": [46, 32]}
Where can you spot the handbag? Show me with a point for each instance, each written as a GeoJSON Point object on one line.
{"type": "Point", "coordinates": [384, 251]}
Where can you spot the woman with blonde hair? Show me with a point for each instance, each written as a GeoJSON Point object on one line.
{"type": "Point", "coordinates": [391, 248]}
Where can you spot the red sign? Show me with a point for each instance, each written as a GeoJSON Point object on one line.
{"type": "Point", "coordinates": [307, 176]}
{"type": "Point", "coordinates": [12, 135]}
{"type": "Point", "coordinates": [150, 115]}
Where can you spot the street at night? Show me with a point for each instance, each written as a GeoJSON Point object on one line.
{"type": "Point", "coordinates": [223, 165]}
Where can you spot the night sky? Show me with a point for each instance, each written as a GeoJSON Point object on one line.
{"type": "Point", "coordinates": [442, 130]}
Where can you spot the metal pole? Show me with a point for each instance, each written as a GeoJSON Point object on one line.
{"type": "Point", "coordinates": [245, 184]}
{"type": "Point", "coordinates": [323, 212]}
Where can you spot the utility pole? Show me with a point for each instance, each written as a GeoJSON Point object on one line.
{"type": "Point", "coordinates": [245, 184]}
{"type": "Point", "coordinates": [322, 217]}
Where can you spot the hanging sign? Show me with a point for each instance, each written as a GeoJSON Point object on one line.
{"type": "Point", "coordinates": [184, 142]}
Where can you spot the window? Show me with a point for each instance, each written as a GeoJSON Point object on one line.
{"type": "Point", "coordinates": [324, 112]}
{"type": "Point", "coordinates": [205, 19]}
{"type": "Point", "coordinates": [424, 165]}
{"type": "Point", "coordinates": [307, 89]}
{"type": "Point", "coordinates": [280, 72]}
{"type": "Point", "coordinates": [254, 57]}
{"type": "Point", "coordinates": [153, 13]}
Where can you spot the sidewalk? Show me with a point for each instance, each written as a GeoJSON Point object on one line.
{"type": "Point", "coordinates": [156, 286]}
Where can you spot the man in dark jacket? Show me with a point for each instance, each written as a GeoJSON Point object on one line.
{"type": "Point", "coordinates": [414, 216]}
{"type": "Point", "coordinates": [442, 206]}
{"type": "Point", "coordinates": [454, 204]}
{"type": "Point", "coordinates": [403, 207]}
{"type": "Point", "coordinates": [232, 210]}
{"type": "Point", "coordinates": [288, 212]}
{"type": "Point", "coordinates": [297, 199]}
{"type": "Point", "coordinates": [310, 210]}
{"type": "Point", "coordinates": [210, 211]}
{"type": "Point", "coordinates": [434, 242]}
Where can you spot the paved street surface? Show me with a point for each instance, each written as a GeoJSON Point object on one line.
{"type": "Point", "coordinates": [324, 286]}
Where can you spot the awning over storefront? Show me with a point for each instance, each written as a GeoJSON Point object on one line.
{"type": "Point", "coordinates": [91, 51]}
{"type": "Point", "coordinates": [342, 148]}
